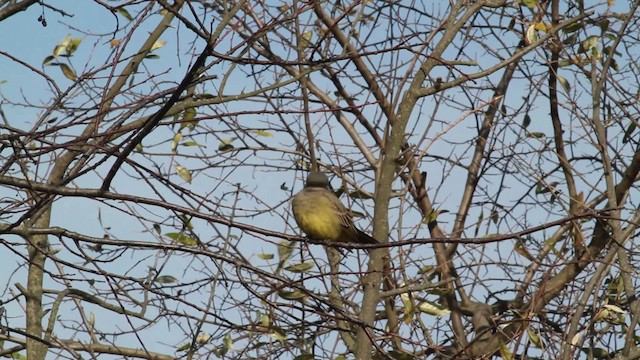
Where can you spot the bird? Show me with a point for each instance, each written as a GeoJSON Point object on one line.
{"type": "Point", "coordinates": [322, 216]}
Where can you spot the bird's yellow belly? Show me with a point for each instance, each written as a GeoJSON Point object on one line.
{"type": "Point", "coordinates": [317, 222]}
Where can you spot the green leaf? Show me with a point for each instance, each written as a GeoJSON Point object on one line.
{"type": "Point", "coordinates": [227, 342]}
{"type": "Point", "coordinates": [433, 216]}
{"type": "Point", "coordinates": [627, 134]}
{"type": "Point", "coordinates": [536, 135]}
{"type": "Point", "coordinates": [400, 355]}
{"type": "Point", "coordinates": [122, 11]}
{"type": "Point", "coordinates": [359, 194]}
{"type": "Point", "coordinates": [531, 4]}
{"type": "Point", "coordinates": [186, 221]}
{"type": "Point", "coordinates": [589, 44]}
{"type": "Point", "coordinates": [426, 269]}
{"type": "Point", "coordinates": [285, 248]}
{"type": "Point", "coordinates": [573, 27]}
{"type": "Point", "coordinates": [67, 46]}
{"type": "Point", "coordinates": [96, 248]}
{"type": "Point", "coordinates": [542, 188]}
{"type": "Point", "coordinates": [187, 119]}
{"type": "Point", "coordinates": [47, 60]}
{"type": "Point", "coordinates": [225, 144]}
{"type": "Point", "coordinates": [614, 65]}
{"type": "Point", "coordinates": [526, 121]}
{"type": "Point", "coordinates": [191, 143]}
{"type": "Point", "coordinates": [495, 217]}
{"type": "Point", "coordinates": [189, 114]}
{"type": "Point", "coordinates": [17, 356]}
{"type": "Point", "coordinates": [264, 256]}
{"type": "Point", "coordinates": [565, 84]}
{"type": "Point", "coordinates": [292, 295]}
{"type": "Point", "coordinates": [598, 353]}
{"type": "Point", "coordinates": [279, 334]}
{"type": "Point", "coordinates": [304, 357]}
{"type": "Point", "coordinates": [166, 279]}
{"type": "Point", "coordinates": [300, 268]}
{"type": "Point", "coordinates": [184, 347]}
{"type": "Point", "coordinates": [182, 239]}
{"type": "Point", "coordinates": [283, 8]}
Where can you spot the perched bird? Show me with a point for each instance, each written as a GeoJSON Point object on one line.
{"type": "Point", "coordinates": [322, 216]}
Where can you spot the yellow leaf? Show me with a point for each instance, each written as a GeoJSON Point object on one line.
{"type": "Point", "coordinates": [114, 43]}
{"type": "Point", "coordinates": [532, 35]}
{"type": "Point", "coordinates": [615, 308]}
{"type": "Point", "coordinates": [62, 46]}
{"type": "Point", "coordinates": [590, 43]}
{"type": "Point", "coordinates": [279, 334]}
{"type": "Point", "coordinates": [504, 351]}
{"type": "Point", "coordinates": [203, 338]}
{"type": "Point", "coordinates": [264, 320]}
{"type": "Point", "coordinates": [284, 250]}
{"type": "Point", "coordinates": [158, 44]}
{"type": "Point", "coordinates": [184, 173]}
{"type": "Point", "coordinates": [520, 249]}
{"type": "Point", "coordinates": [565, 84]}
{"type": "Point", "coordinates": [531, 4]}
{"type": "Point", "coordinates": [535, 339]}
{"type": "Point", "coordinates": [540, 26]}
{"type": "Point", "coordinates": [67, 46]}
{"type": "Point", "coordinates": [408, 310]}
{"type": "Point", "coordinates": [176, 140]}
{"type": "Point", "coordinates": [432, 308]}
{"type": "Point", "coordinates": [283, 8]}
{"type": "Point", "coordinates": [263, 133]}
{"type": "Point", "coordinates": [305, 39]}
{"type": "Point", "coordinates": [536, 135]}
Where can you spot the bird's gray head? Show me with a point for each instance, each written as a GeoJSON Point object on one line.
{"type": "Point", "coordinates": [317, 179]}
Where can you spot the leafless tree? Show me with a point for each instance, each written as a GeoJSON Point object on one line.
{"type": "Point", "coordinates": [490, 145]}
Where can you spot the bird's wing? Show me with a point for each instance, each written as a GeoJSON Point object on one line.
{"type": "Point", "coordinates": [342, 212]}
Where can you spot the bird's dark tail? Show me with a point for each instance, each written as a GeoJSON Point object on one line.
{"type": "Point", "coordinates": [365, 238]}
